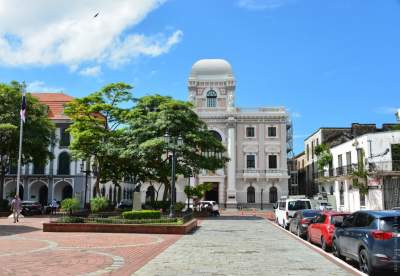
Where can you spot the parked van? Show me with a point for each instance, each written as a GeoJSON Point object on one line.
{"type": "Point", "coordinates": [287, 206]}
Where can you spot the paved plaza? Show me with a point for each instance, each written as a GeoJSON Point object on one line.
{"type": "Point", "coordinates": [228, 245]}
{"type": "Point", "coordinates": [235, 245]}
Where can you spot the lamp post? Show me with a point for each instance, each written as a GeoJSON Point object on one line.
{"type": "Point", "coordinates": [87, 172]}
{"type": "Point", "coordinates": [262, 190]}
{"type": "Point", "coordinates": [173, 143]}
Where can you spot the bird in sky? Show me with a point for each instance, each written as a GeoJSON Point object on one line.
{"type": "Point", "coordinates": [97, 14]}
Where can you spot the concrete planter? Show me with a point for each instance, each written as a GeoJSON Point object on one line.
{"type": "Point", "coordinates": [122, 228]}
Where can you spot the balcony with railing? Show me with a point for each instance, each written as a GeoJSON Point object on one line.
{"type": "Point", "coordinates": [384, 167]}
{"type": "Point", "coordinates": [268, 173]}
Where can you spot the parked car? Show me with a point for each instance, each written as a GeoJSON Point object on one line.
{"type": "Point", "coordinates": [372, 238]}
{"type": "Point", "coordinates": [31, 208]}
{"type": "Point", "coordinates": [322, 228]}
{"type": "Point", "coordinates": [300, 221]}
{"type": "Point", "coordinates": [125, 204]}
{"type": "Point", "coordinates": [287, 206]}
{"type": "Point", "coordinates": [211, 206]}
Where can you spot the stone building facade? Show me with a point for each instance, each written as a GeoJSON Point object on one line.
{"type": "Point", "coordinates": [256, 139]}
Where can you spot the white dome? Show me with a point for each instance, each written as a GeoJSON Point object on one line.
{"type": "Point", "coordinates": [214, 68]}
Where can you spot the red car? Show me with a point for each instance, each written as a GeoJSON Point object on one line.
{"type": "Point", "coordinates": [321, 230]}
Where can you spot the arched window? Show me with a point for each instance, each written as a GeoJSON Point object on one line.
{"type": "Point", "coordinates": [251, 195]}
{"type": "Point", "coordinates": [64, 163]}
{"type": "Point", "coordinates": [216, 135]}
{"type": "Point", "coordinates": [211, 98]}
{"type": "Point", "coordinates": [273, 194]}
{"type": "Point", "coordinates": [103, 191]}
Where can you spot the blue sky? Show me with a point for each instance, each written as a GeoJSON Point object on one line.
{"type": "Point", "coordinates": [330, 63]}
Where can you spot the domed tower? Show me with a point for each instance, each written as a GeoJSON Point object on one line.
{"type": "Point", "coordinates": [212, 86]}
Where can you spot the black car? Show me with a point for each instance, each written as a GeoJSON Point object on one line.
{"type": "Point", "coordinates": [300, 221]}
{"type": "Point", "coordinates": [31, 208]}
{"type": "Point", "coordinates": [125, 204]}
{"type": "Point", "coordinates": [371, 238]}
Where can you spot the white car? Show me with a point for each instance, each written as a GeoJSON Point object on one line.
{"type": "Point", "coordinates": [287, 206]}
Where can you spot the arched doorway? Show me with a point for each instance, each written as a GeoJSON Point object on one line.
{"type": "Point", "coordinates": [43, 195]}
{"type": "Point", "coordinates": [10, 190]}
{"type": "Point", "coordinates": [273, 194]}
{"type": "Point", "coordinates": [150, 194]}
{"type": "Point", "coordinates": [212, 195]}
{"type": "Point", "coordinates": [66, 192]}
{"type": "Point", "coordinates": [251, 194]}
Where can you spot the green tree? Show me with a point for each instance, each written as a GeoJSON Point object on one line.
{"type": "Point", "coordinates": [149, 120]}
{"type": "Point", "coordinates": [97, 120]}
{"type": "Point", "coordinates": [38, 130]}
{"type": "Point", "coordinates": [324, 155]}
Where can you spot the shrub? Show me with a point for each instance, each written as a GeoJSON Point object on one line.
{"type": "Point", "coordinates": [70, 220]}
{"type": "Point", "coordinates": [98, 204]}
{"type": "Point", "coordinates": [70, 204]}
{"type": "Point", "coordinates": [157, 205]}
{"type": "Point", "coordinates": [178, 207]}
{"type": "Point", "coordinates": [144, 214]}
{"type": "Point", "coordinates": [4, 205]}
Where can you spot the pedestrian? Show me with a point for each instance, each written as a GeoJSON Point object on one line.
{"type": "Point", "coordinates": [16, 208]}
{"type": "Point", "coordinates": [54, 206]}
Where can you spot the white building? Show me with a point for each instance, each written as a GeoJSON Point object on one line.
{"type": "Point", "coordinates": [379, 155]}
{"type": "Point", "coordinates": [256, 139]}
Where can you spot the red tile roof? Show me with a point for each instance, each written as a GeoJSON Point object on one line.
{"type": "Point", "coordinates": [55, 102]}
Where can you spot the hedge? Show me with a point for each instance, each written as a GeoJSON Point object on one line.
{"type": "Point", "coordinates": [144, 214]}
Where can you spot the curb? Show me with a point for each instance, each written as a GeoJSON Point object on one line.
{"type": "Point", "coordinates": [328, 256]}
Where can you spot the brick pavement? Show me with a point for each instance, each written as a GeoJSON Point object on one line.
{"type": "Point", "coordinates": [26, 250]}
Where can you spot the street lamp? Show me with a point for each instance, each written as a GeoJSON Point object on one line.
{"type": "Point", "coordinates": [87, 173]}
{"type": "Point", "coordinates": [173, 144]}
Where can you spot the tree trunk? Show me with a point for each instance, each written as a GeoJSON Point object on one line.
{"type": "Point", "coordinates": [167, 193]}
{"type": "Point", "coordinates": [97, 185]}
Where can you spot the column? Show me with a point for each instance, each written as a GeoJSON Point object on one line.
{"type": "Point", "coordinates": [231, 191]}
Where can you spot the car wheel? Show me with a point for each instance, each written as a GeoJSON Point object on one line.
{"type": "Point", "coordinates": [336, 250]}
{"type": "Point", "coordinates": [323, 245]}
{"type": "Point", "coordinates": [309, 237]}
{"type": "Point", "coordinates": [365, 265]}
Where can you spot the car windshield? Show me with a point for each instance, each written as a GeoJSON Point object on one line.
{"type": "Point", "coordinates": [298, 205]}
{"type": "Point", "coordinates": [390, 224]}
{"type": "Point", "coordinates": [310, 214]}
{"type": "Point", "coordinates": [338, 219]}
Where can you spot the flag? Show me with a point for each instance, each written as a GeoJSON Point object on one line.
{"type": "Point", "coordinates": [23, 108]}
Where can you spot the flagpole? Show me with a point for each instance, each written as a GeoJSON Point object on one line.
{"type": "Point", "coordinates": [21, 130]}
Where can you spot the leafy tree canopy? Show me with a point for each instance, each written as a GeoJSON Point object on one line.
{"type": "Point", "coordinates": [38, 130]}
{"type": "Point", "coordinates": [97, 119]}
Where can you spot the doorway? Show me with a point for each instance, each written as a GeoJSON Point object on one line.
{"type": "Point", "coordinates": [43, 194]}
{"type": "Point", "coordinates": [212, 195]}
{"type": "Point", "coordinates": [67, 192]}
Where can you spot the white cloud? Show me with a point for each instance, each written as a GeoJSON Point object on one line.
{"type": "Point", "coordinates": [40, 86]}
{"type": "Point", "coordinates": [91, 71]}
{"type": "Point", "coordinates": [66, 32]}
{"type": "Point", "coordinates": [262, 4]}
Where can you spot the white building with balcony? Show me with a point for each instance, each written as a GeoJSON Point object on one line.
{"type": "Point", "coordinates": [375, 154]}
{"type": "Point", "coordinates": [256, 139]}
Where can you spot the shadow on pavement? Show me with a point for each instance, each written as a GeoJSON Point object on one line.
{"type": "Point", "coordinates": [8, 230]}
